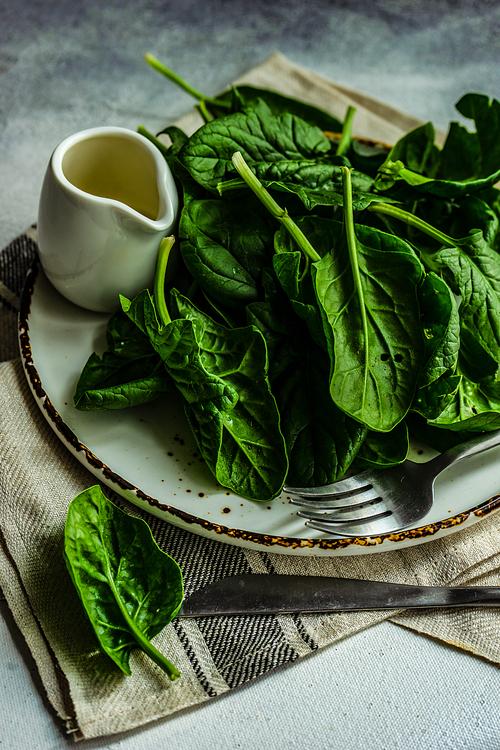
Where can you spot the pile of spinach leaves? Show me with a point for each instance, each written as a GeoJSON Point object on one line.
{"type": "Point", "coordinates": [331, 300]}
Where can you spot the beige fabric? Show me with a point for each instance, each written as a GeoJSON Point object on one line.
{"type": "Point", "coordinates": [39, 477]}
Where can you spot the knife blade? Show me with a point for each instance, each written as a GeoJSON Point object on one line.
{"type": "Point", "coordinates": [276, 594]}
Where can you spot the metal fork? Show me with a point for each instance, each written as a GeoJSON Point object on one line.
{"type": "Point", "coordinates": [381, 501]}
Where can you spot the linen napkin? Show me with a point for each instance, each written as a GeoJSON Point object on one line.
{"type": "Point", "coordinates": [39, 477]}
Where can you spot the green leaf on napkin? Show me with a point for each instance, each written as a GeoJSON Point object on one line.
{"type": "Point", "coordinates": [129, 588]}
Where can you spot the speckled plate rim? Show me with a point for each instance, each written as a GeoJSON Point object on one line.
{"type": "Point", "coordinates": [322, 546]}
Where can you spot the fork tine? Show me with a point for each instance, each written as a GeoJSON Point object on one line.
{"type": "Point", "coordinates": [364, 513]}
{"type": "Point", "coordinates": [355, 483]}
{"type": "Point", "coordinates": [385, 523]}
{"type": "Point", "coordinates": [340, 503]}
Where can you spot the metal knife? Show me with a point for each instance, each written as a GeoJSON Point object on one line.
{"type": "Point", "coordinates": [278, 594]}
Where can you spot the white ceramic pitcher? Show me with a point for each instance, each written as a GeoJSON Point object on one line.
{"type": "Point", "coordinates": [107, 200]}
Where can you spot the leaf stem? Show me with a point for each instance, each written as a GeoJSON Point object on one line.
{"type": "Point", "coordinates": [161, 68]}
{"type": "Point", "coordinates": [202, 109]}
{"type": "Point", "coordinates": [139, 637]}
{"type": "Point", "coordinates": [226, 185]}
{"type": "Point", "coordinates": [148, 648]}
{"type": "Point", "coordinates": [159, 283]}
{"type": "Point", "coordinates": [161, 146]}
{"type": "Point", "coordinates": [281, 214]}
{"type": "Point", "coordinates": [346, 137]}
{"type": "Point", "coordinates": [353, 255]}
{"type": "Point", "coordinates": [412, 220]}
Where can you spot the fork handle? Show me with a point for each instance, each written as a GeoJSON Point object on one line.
{"type": "Point", "coordinates": [478, 444]}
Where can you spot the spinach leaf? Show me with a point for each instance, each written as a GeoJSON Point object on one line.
{"type": "Point", "coordinates": [279, 332]}
{"type": "Point", "coordinates": [225, 248]}
{"type": "Point", "coordinates": [430, 401]}
{"type": "Point", "coordinates": [474, 407]}
{"type": "Point", "coordinates": [326, 195]}
{"type": "Point", "coordinates": [243, 97]}
{"type": "Point", "coordinates": [441, 327]}
{"type": "Point", "coordinates": [485, 113]}
{"type": "Point", "coordinates": [473, 213]}
{"type": "Point", "coordinates": [417, 150]}
{"type": "Point", "coordinates": [296, 282]}
{"type": "Point", "coordinates": [222, 375]}
{"type": "Point", "coordinates": [472, 270]}
{"type": "Point", "coordinates": [474, 361]}
{"type": "Point", "coordinates": [468, 162]}
{"type": "Point", "coordinates": [367, 290]}
{"type": "Point", "coordinates": [282, 148]}
{"type": "Point", "coordinates": [129, 588]}
{"type": "Point", "coordinates": [321, 440]}
{"type": "Point", "coordinates": [129, 373]}
{"type": "Point", "coordinates": [384, 449]}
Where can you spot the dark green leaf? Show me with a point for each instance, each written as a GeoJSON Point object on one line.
{"type": "Point", "coordinates": [321, 440]}
{"type": "Point", "coordinates": [441, 328]}
{"type": "Point", "coordinates": [129, 588]}
{"type": "Point", "coordinates": [242, 97]}
{"type": "Point", "coordinates": [474, 407]}
{"type": "Point", "coordinates": [292, 274]}
{"type": "Point", "coordinates": [474, 274]}
{"type": "Point", "coordinates": [384, 449]}
{"type": "Point", "coordinates": [371, 323]}
{"type": "Point", "coordinates": [129, 373]}
{"type": "Point", "coordinates": [225, 247]}
{"type": "Point", "coordinates": [283, 148]}
{"type": "Point", "coordinates": [431, 400]}
{"type": "Point", "coordinates": [468, 162]}
{"type": "Point", "coordinates": [222, 375]}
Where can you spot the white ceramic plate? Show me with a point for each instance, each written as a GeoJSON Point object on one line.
{"type": "Point", "coordinates": [147, 453]}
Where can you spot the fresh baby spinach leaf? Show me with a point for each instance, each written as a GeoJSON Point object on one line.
{"type": "Point", "coordinates": [129, 588]}
{"type": "Point", "coordinates": [225, 248]}
{"type": "Point", "coordinates": [474, 407]}
{"type": "Point", "coordinates": [441, 327]}
{"type": "Point", "coordinates": [282, 148]}
{"type": "Point", "coordinates": [367, 290]}
{"type": "Point", "coordinates": [288, 265]}
{"type": "Point", "coordinates": [222, 376]}
{"type": "Point", "coordinates": [383, 449]}
{"type": "Point", "coordinates": [243, 97]}
{"type": "Point", "coordinates": [468, 162]}
{"type": "Point", "coordinates": [129, 373]}
{"type": "Point", "coordinates": [472, 270]}
{"type": "Point", "coordinates": [321, 440]}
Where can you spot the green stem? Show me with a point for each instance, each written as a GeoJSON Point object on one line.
{"type": "Point", "coordinates": [141, 640]}
{"type": "Point", "coordinates": [413, 221]}
{"type": "Point", "coordinates": [236, 184]}
{"type": "Point", "coordinates": [161, 68]}
{"type": "Point", "coordinates": [161, 146]}
{"type": "Point", "coordinates": [275, 210]}
{"type": "Point", "coordinates": [346, 138]}
{"type": "Point", "coordinates": [148, 648]}
{"type": "Point", "coordinates": [159, 283]}
{"type": "Point", "coordinates": [202, 109]}
{"type": "Point", "coordinates": [352, 248]}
